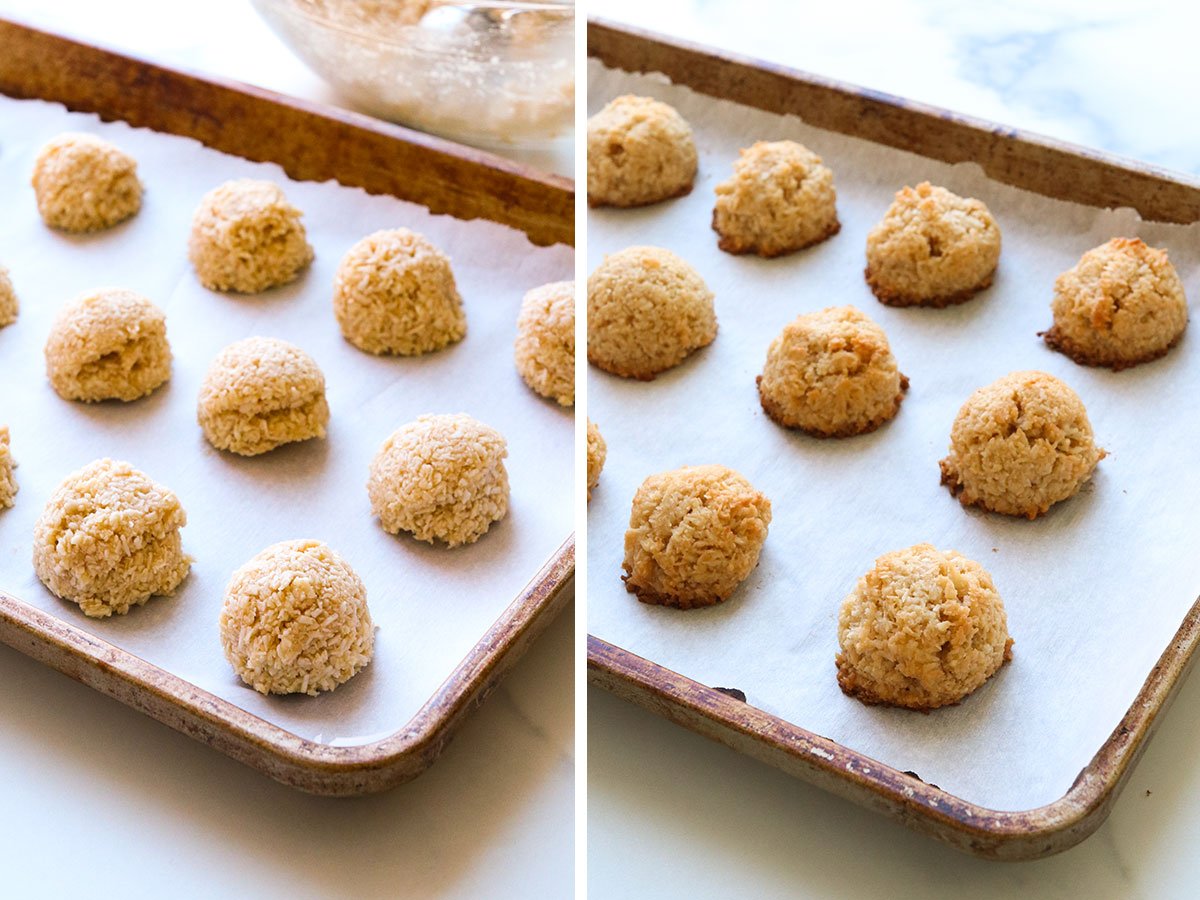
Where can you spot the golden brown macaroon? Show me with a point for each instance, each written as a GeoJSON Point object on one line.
{"type": "Point", "coordinates": [639, 151]}
{"type": "Point", "coordinates": [648, 310]}
{"type": "Point", "coordinates": [597, 451]}
{"type": "Point", "coordinates": [1019, 445]}
{"type": "Point", "coordinates": [8, 480]}
{"type": "Point", "coordinates": [832, 374]}
{"type": "Point", "coordinates": [84, 183]}
{"type": "Point", "coordinates": [933, 248]}
{"type": "Point", "coordinates": [1121, 305]}
{"type": "Point", "coordinates": [694, 535]}
{"type": "Point", "coordinates": [545, 345]}
{"type": "Point", "coordinates": [924, 628]}
{"type": "Point", "coordinates": [780, 199]}
{"type": "Point", "coordinates": [10, 307]}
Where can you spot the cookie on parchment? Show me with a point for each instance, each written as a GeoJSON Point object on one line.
{"type": "Point", "coordinates": [639, 151]}
{"type": "Point", "coordinates": [597, 450]}
{"type": "Point", "coordinates": [545, 345]}
{"type": "Point", "coordinates": [8, 479]}
{"type": "Point", "coordinates": [10, 307]}
{"type": "Point", "coordinates": [83, 183]}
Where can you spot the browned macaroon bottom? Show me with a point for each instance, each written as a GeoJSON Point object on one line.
{"type": "Point", "coordinates": [682, 192]}
{"type": "Point", "coordinates": [643, 375]}
{"type": "Point", "coordinates": [893, 298]}
{"type": "Point", "coordinates": [654, 598]}
{"type": "Point", "coordinates": [775, 414]}
{"type": "Point", "coordinates": [951, 480]}
{"type": "Point", "coordinates": [731, 244]}
{"type": "Point", "coordinates": [1058, 342]}
{"type": "Point", "coordinates": [848, 681]}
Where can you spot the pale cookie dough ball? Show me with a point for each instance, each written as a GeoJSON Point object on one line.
{"type": "Point", "coordinates": [295, 620]}
{"type": "Point", "coordinates": [83, 183]}
{"type": "Point", "coordinates": [597, 451]}
{"type": "Point", "coordinates": [260, 393]}
{"type": "Point", "coordinates": [441, 478]}
{"type": "Point", "coordinates": [832, 374]}
{"type": "Point", "coordinates": [246, 237]}
{"type": "Point", "coordinates": [9, 306]}
{"type": "Point", "coordinates": [780, 199]}
{"type": "Point", "coordinates": [647, 311]}
{"type": "Point", "coordinates": [545, 347]}
{"type": "Point", "coordinates": [109, 539]}
{"type": "Point", "coordinates": [639, 151]}
{"type": "Point", "coordinates": [924, 628]}
{"type": "Point", "coordinates": [1020, 445]}
{"type": "Point", "coordinates": [933, 248]}
{"type": "Point", "coordinates": [8, 480]}
{"type": "Point", "coordinates": [394, 292]}
{"type": "Point", "coordinates": [110, 344]}
{"type": "Point", "coordinates": [694, 535]}
{"type": "Point", "coordinates": [1121, 305]}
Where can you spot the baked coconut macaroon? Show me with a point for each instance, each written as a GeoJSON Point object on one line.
{"type": "Point", "coordinates": [933, 248]}
{"type": "Point", "coordinates": [648, 310]}
{"type": "Point", "coordinates": [924, 628]}
{"type": "Point", "coordinates": [695, 534]}
{"type": "Point", "coordinates": [260, 393]}
{"type": "Point", "coordinates": [639, 151]}
{"type": "Point", "coordinates": [8, 479]}
{"type": "Point", "coordinates": [246, 238]}
{"type": "Point", "coordinates": [440, 478]}
{"type": "Point", "coordinates": [109, 344]}
{"type": "Point", "coordinates": [83, 183]}
{"type": "Point", "coordinates": [780, 199]}
{"type": "Point", "coordinates": [1121, 305]}
{"type": "Point", "coordinates": [1019, 445]}
{"type": "Point", "coordinates": [394, 293]}
{"type": "Point", "coordinates": [832, 374]}
{"type": "Point", "coordinates": [10, 307]}
{"type": "Point", "coordinates": [295, 620]}
{"type": "Point", "coordinates": [597, 452]}
{"type": "Point", "coordinates": [108, 539]}
{"type": "Point", "coordinates": [545, 345]}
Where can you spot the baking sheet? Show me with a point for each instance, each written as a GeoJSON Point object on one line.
{"type": "Point", "coordinates": [1094, 590]}
{"type": "Point", "coordinates": [430, 604]}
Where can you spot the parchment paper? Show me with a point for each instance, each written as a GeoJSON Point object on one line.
{"type": "Point", "coordinates": [1094, 590]}
{"type": "Point", "coordinates": [431, 604]}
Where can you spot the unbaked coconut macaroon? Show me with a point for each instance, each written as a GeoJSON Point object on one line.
{"type": "Point", "coordinates": [260, 393]}
{"type": "Point", "coordinates": [441, 478]}
{"type": "Point", "coordinates": [933, 248]}
{"type": "Point", "coordinates": [924, 628]}
{"type": "Point", "coordinates": [545, 346]}
{"type": "Point", "coordinates": [1121, 305]}
{"type": "Point", "coordinates": [648, 310]}
{"type": "Point", "coordinates": [246, 237]}
{"type": "Point", "coordinates": [597, 451]}
{"type": "Point", "coordinates": [780, 199]}
{"type": "Point", "coordinates": [639, 151]}
{"type": "Point", "coordinates": [9, 305]}
{"type": "Point", "coordinates": [109, 344]}
{"type": "Point", "coordinates": [295, 620]}
{"type": "Point", "coordinates": [8, 480]}
{"type": "Point", "coordinates": [695, 534]}
{"type": "Point", "coordinates": [1019, 445]}
{"type": "Point", "coordinates": [84, 183]}
{"type": "Point", "coordinates": [832, 374]}
{"type": "Point", "coordinates": [109, 539]}
{"type": "Point", "coordinates": [394, 292]}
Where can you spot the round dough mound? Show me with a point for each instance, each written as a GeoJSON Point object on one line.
{"type": "Point", "coordinates": [832, 374]}
{"type": "Point", "coordinates": [1121, 305]}
{"type": "Point", "coordinates": [108, 345]}
{"type": "Point", "coordinates": [109, 539]}
{"type": "Point", "coordinates": [260, 393]}
{"type": "Point", "coordinates": [639, 151]}
{"type": "Point", "coordinates": [597, 451]}
{"type": "Point", "coordinates": [933, 248]}
{"type": "Point", "coordinates": [8, 482]}
{"type": "Point", "coordinates": [295, 620]}
{"type": "Point", "coordinates": [84, 183]}
{"type": "Point", "coordinates": [922, 629]}
{"type": "Point", "coordinates": [394, 292]}
{"type": "Point", "coordinates": [247, 238]}
{"type": "Point", "coordinates": [440, 478]}
{"type": "Point", "coordinates": [647, 311]}
{"type": "Point", "coordinates": [694, 535]}
{"type": "Point", "coordinates": [9, 306]}
{"type": "Point", "coordinates": [780, 199]}
{"type": "Point", "coordinates": [1020, 445]}
{"type": "Point", "coordinates": [545, 347]}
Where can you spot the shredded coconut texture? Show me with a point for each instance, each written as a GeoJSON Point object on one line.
{"type": "Point", "coordinates": [545, 346]}
{"type": "Point", "coordinates": [246, 237]}
{"type": "Point", "coordinates": [109, 539]}
{"type": "Point", "coordinates": [832, 374]}
{"type": "Point", "coordinates": [8, 480]}
{"type": "Point", "coordinates": [1020, 445]}
{"type": "Point", "coordinates": [9, 305]}
{"type": "Point", "coordinates": [442, 478]}
{"type": "Point", "coordinates": [394, 292]}
{"type": "Point", "coordinates": [110, 344]}
{"type": "Point", "coordinates": [639, 151]}
{"type": "Point", "coordinates": [597, 451]}
{"type": "Point", "coordinates": [648, 311]}
{"type": "Point", "coordinates": [924, 628]}
{"type": "Point", "coordinates": [83, 183]}
{"type": "Point", "coordinates": [694, 535]}
{"type": "Point", "coordinates": [295, 620]}
{"type": "Point", "coordinates": [260, 393]}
